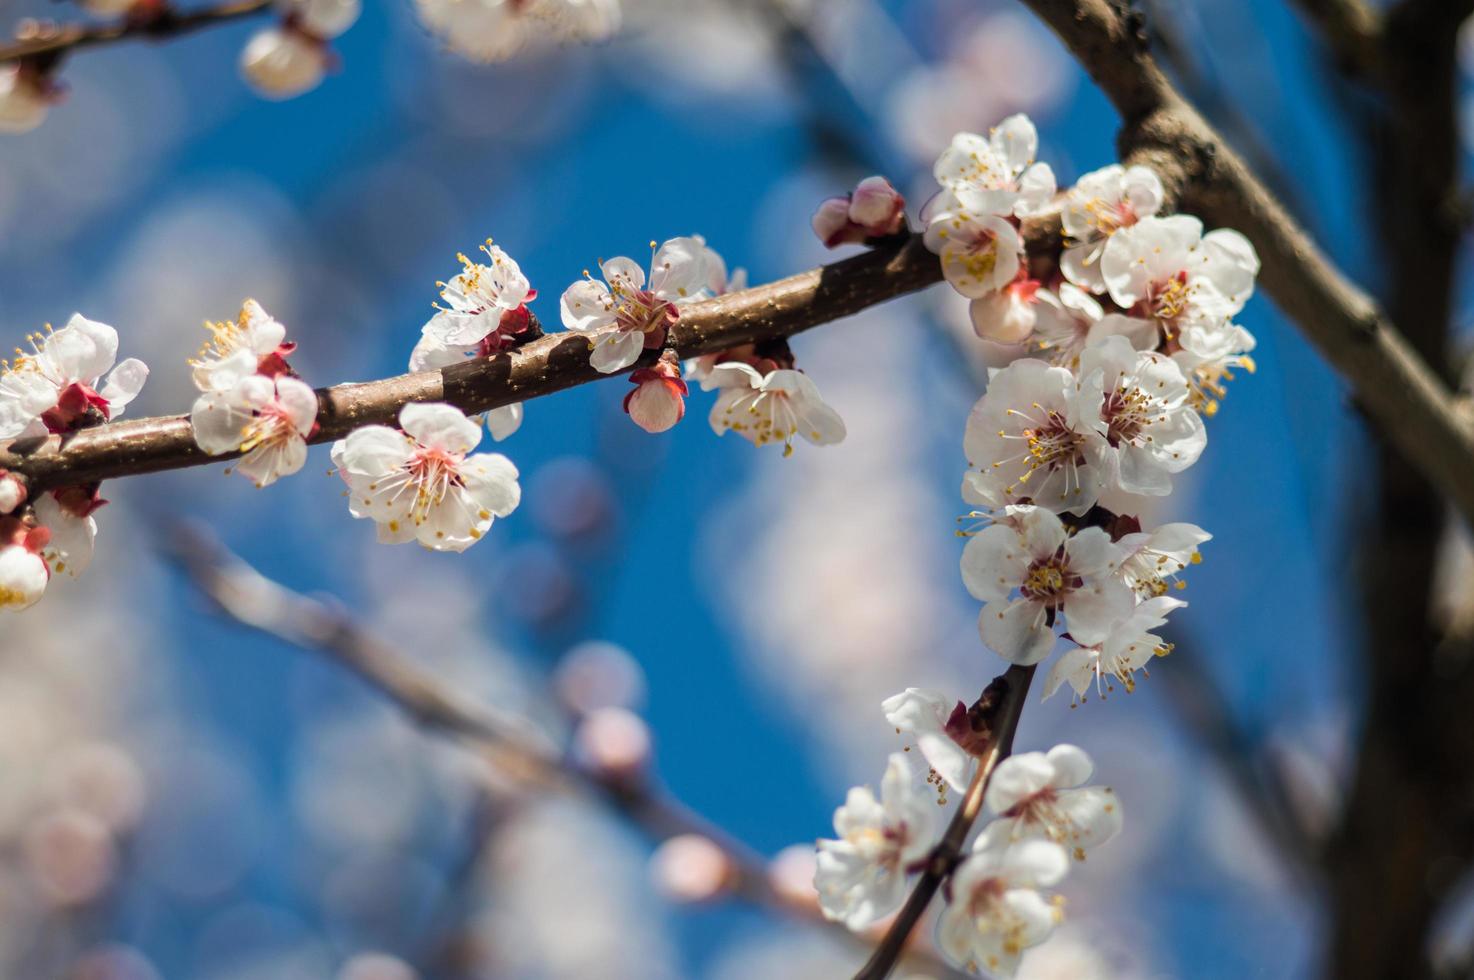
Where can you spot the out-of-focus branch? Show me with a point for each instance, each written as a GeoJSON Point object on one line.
{"type": "Point", "coordinates": [249, 598]}
{"type": "Point", "coordinates": [1412, 406]}
{"type": "Point", "coordinates": [1352, 30]}
{"type": "Point", "coordinates": [548, 364]}
{"type": "Point", "coordinates": [46, 42]}
{"type": "Point", "coordinates": [1000, 705]}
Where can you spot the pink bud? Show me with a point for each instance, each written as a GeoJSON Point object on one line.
{"type": "Point", "coordinates": [659, 399]}
{"type": "Point", "coordinates": [691, 868]}
{"type": "Point", "coordinates": [12, 492]}
{"type": "Point", "coordinates": [613, 743]}
{"type": "Point", "coordinates": [877, 207]}
{"type": "Point", "coordinates": [832, 223]}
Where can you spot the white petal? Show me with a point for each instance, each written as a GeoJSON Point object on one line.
{"type": "Point", "coordinates": [438, 426]}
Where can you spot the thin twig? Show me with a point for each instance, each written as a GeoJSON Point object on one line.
{"type": "Point", "coordinates": [166, 23]}
{"type": "Point", "coordinates": [1009, 692]}
{"type": "Point", "coordinates": [249, 598]}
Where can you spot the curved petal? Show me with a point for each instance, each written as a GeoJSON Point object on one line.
{"type": "Point", "coordinates": [1016, 630]}
{"type": "Point", "coordinates": [616, 350]}
{"type": "Point", "coordinates": [439, 426]}
{"type": "Point", "coordinates": [123, 385]}
{"type": "Point", "coordinates": [586, 306]}
{"type": "Point", "coordinates": [503, 421]}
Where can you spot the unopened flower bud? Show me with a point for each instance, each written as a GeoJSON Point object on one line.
{"type": "Point", "coordinates": [12, 492]}
{"type": "Point", "coordinates": [613, 742]}
{"type": "Point", "coordinates": [596, 675]}
{"type": "Point", "coordinates": [832, 222]}
{"type": "Point", "coordinates": [322, 18]}
{"type": "Point", "coordinates": [1007, 316]}
{"type": "Point", "coordinates": [25, 95]}
{"type": "Point", "coordinates": [691, 868]}
{"type": "Point", "coordinates": [281, 62]}
{"type": "Point", "coordinates": [659, 399]}
{"type": "Point", "coordinates": [877, 207]}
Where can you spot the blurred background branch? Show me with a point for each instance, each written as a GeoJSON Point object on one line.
{"type": "Point", "coordinates": [46, 43]}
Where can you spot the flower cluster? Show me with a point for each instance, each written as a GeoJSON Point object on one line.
{"type": "Point", "coordinates": [495, 30]}
{"type": "Point", "coordinates": [66, 382]}
{"type": "Point", "coordinates": [1108, 351]}
{"type": "Point", "coordinates": [252, 403]}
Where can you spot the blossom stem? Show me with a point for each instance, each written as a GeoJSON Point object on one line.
{"type": "Point", "coordinates": [53, 43]}
{"type": "Point", "coordinates": [1001, 705]}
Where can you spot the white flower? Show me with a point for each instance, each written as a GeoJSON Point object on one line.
{"type": "Point", "coordinates": [71, 528]}
{"type": "Point", "coordinates": [997, 175]}
{"type": "Point", "coordinates": [1141, 406]}
{"type": "Point", "coordinates": [659, 399]}
{"type": "Point", "coordinates": [282, 62]}
{"type": "Point", "coordinates": [26, 94]}
{"type": "Point", "coordinates": [324, 19]}
{"type": "Point", "coordinates": [1101, 203]}
{"type": "Point", "coordinates": [495, 30]}
{"type": "Point", "coordinates": [267, 419]}
{"type": "Point", "coordinates": [933, 718]}
{"type": "Point", "coordinates": [996, 911]}
{"type": "Point", "coordinates": [861, 878]}
{"type": "Point", "coordinates": [1208, 353]}
{"type": "Point", "coordinates": [1039, 794]}
{"type": "Point", "coordinates": [1053, 573]}
{"type": "Point", "coordinates": [1153, 558]}
{"type": "Point", "coordinates": [980, 252]}
{"type": "Point", "coordinates": [420, 483]}
{"type": "Point", "coordinates": [1027, 440]}
{"type": "Point", "coordinates": [1167, 270]}
{"type": "Point", "coordinates": [1127, 648]}
{"type": "Point", "coordinates": [1069, 320]}
{"type": "Point", "coordinates": [23, 576]}
{"type": "Point", "coordinates": [61, 381]}
{"type": "Point", "coordinates": [12, 492]}
{"type": "Point", "coordinates": [237, 349]}
{"type": "Point", "coordinates": [478, 297]}
{"type": "Point", "coordinates": [627, 314]}
{"type": "Point", "coordinates": [772, 407]}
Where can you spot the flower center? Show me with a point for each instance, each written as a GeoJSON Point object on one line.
{"type": "Point", "coordinates": [1127, 411]}
{"type": "Point", "coordinates": [1049, 580]}
{"type": "Point", "coordinates": [433, 472]}
{"type": "Point", "coordinates": [1170, 299]}
{"type": "Point", "coordinates": [641, 311]}
{"type": "Point", "coordinates": [269, 427]}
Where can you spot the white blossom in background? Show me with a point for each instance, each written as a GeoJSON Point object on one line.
{"type": "Point", "coordinates": [26, 94]}
{"type": "Point", "coordinates": [936, 721]}
{"type": "Point", "coordinates": [1043, 795]}
{"type": "Point", "coordinates": [283, 62]}
{"type": "Point", "coordinates": [1053, 573]}
{"type": "Point", "coordinates": [1143, 409]}
{"type": "Point", "coordinates": [624, 312]}
{"type": "Point", "coordinates": [495, 30]}
{"type": "Point", "coordinates": [1029, 439]}
{"type": "Point", "coordinates": [772, 407]}
{"type": "Point", "coordinates": [1102, 202]}
{"type": "Point", "coordinates": [996, 174]}
{"type": "Point", "coordinates": [324, 19]}
{"type": "Point", "coordinates": [419, 482]}
{"type": "Point", "coordinates": [253, 342]}
{"type": "Point", "coordinates": [1153, 558]}
{"type": "Point", "coordinates": [268, 419]}
{"type": "Point", "coordinates": [996, 910]}
{"type": "Point", "coordinates": [861, 877]}
{"type": "Point", "coordinates": [1128, 647]}
{"type": "Point", "coordinates": [68, 374]}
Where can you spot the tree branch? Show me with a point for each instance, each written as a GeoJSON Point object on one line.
{"type": "Point", "coordinates": [56, 42]}
{"type": "Point", "coordinates": [1353, 32]}
{"type": "Point", "coordinates": [1002, 702]}
{"type": "Point", "coordinates": [247, 597]}
{"type": "Point", "coordinates": [1412, 406]}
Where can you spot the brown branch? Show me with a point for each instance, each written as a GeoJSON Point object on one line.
{"type": "Point", "coordinates": [45, 43]}
{"type": "Point", "coordinates": [1412, 406]}
{"type": "Point", "coordinates": [1001, 704]}
{"type": "Point", "coordinates": [1352, 30]}
{"type": "Point", "coordinates": [548, 364]}
{"type": "Point", "coordinates": [247, 597]}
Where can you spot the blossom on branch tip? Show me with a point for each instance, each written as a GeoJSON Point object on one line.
{"type": "Point", "coordinates": [267, 419]}
{"type": "Point", "coordinates": [659, 399]}
{"type": "Point", "coordinates": [26, 94]}
{"type": "Point", "coordinates": [495, 30]}
{"type": "Point", "coordinates": [772, 407]}
{"type": "Point", "coordinates": [1101, 203]}
{"type": "Point", "coordinates": [419, 482]}
{"type": "Point", "coordinates": [861, 876]}
{"type": "Point", "coordinates": [1042, 795]}
{"type": "Point", "coordinates": [485, 304]}
{"type": "Point", "coordinates": [59, 386]}
{"type": "Point", "coordinates": [1141, 407]}
{"type": "Point", "coordinates": [874, 209]}
{"type": "Point", "coordinates": [1033, 570]}
{"type": "Point", "coordinates": [1128, 647]}
{"type": "Point", "coordinates": [284, 62]}
{"type": "Point", "coordinates": [996, 175]}
{"type": "Point", "coordinates": [995, 910]}
{"type": "Point", "coordinates": [253, 343]}
{"type": "Point", "coordinates": [624, 313]}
